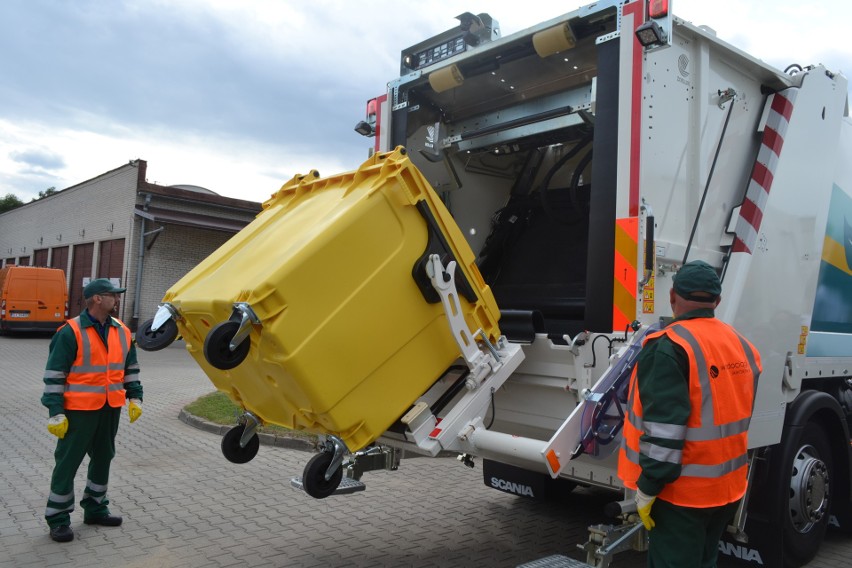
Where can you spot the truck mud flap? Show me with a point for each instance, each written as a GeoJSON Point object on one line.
{"type": "Point", "coordinates": [762, 549]}
{"type": "Point", "coordinates": [523, 482]}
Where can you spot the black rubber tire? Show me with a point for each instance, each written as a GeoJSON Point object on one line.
{"type": "Point", "coordinates": [802, 542]}
{"type": "Point", "coordinates": [217, 346]}
{"type": "Point", "coordinates": [231, 446]}
{"type": "Point", "coordinates": [148, 340]}
{"type": "Point", "coordinates": [313, 478]}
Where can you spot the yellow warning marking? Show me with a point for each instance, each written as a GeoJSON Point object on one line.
{"type": "Point", "coordinates": [624, 276]}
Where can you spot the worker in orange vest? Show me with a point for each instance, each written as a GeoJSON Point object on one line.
{"type": "Point", "coordinates": [90, 371]}
{"type": "Point", "coordinates": [684, 448]}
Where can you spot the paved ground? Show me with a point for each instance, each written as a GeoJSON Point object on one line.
{"type": "Point", "coordinates": [184, 505]}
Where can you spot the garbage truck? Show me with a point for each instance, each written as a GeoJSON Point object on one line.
{"type": "Point", "coordinates": [482, 284]}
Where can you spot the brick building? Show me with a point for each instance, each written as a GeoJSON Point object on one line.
{"type": "Point", "coordinates": [117, 225]}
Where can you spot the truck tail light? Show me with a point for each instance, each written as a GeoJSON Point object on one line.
{"type": "Point", "coordinates": [658, 8]}
{"type": "Point", "coordinates": [368, 127]}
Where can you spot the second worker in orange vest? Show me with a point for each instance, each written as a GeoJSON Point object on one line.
{"type": "Point", "coordinates": [685, 439]}
{"type": "Point", "coordinates": [90, 371]}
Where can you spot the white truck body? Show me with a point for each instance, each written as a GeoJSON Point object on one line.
{"type": "Point", "coordinates": [698, 151]}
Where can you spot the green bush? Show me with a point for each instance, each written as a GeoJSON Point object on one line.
{"type": "Point", "coordinates": [216, 407]}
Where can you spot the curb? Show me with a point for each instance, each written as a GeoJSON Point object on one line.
{"type": "Point", "coordinates": [289, 442]}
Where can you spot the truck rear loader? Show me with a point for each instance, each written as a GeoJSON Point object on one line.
{"type": "Point", "coordinates": [581, 161]}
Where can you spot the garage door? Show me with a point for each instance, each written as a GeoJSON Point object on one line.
{"type": "Point", "coordinates": [40, 257]}
{"type": "Point", "coordinates": [59, 259]}
{"type": "Point", "coordinates": [111, 261]}
{"type": "Point", "coordinates": [81, 267]}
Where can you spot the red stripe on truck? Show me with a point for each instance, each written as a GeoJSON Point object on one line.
{"type": "Point", "coordinates": [751, 213]}
{"type": "Point", "coordinates": [783, 106]}
{"type": "Point", "coordinates": [773, 140]}
{"type": "Point", "coordinates": [762, 175]}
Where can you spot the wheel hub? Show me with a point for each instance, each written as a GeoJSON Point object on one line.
{"type": "Point", "coordinates": [809, 489]}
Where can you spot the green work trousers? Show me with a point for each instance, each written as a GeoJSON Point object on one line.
{"type": "Point", "coordinates": [90, 432]}
{"type": "Point", "coordinates": [686, 537]}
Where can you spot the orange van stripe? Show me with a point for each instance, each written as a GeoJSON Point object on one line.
{"type": "Point", "coordinates": [624, 272]}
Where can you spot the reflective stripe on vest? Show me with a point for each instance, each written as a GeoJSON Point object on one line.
{"type": "Point", "coordinates": [702, 483]}
{"type": "Point", "coordinates": [693, 470]}
{"type": "Point", "coordinates": [96, 376]}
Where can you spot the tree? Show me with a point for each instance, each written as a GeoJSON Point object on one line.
{"type": "Point", "coordinates": [9, 202]}
{"type": "Point", "coordinates": [42, 194]}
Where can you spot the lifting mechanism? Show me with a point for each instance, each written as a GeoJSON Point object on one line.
{"type": "Point", "coordinates": [449, 417]}
{"type": "Point", "coordinates": [487, 367]}
{"type": "Point", "coordinates": [462, 429]}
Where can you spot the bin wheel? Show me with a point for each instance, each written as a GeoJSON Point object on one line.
{"type": "Point", "coordinates": [313, 478]}
{"type": "Point", "coordinates": [149, 340]}
{"type": "Point", "coordinates": [231, 446]}
{"type": "Point", "coordinates": [217, 348]}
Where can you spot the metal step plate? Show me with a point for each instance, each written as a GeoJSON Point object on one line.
{"type": "Point", "coordinates": [346, 486]}
{"type": "Point", "coordinates": [555, 561]}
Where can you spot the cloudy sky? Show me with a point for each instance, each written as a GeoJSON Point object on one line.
{"type": "Point", "coordinates": [240, 95]}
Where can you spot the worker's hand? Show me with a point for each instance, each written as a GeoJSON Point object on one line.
{"type": "Point", "coordinates": [643, 507]}
{"type": "Point", "coordinates": [134, 409]}
{"type": "Point", "coordinates": [58, 425]}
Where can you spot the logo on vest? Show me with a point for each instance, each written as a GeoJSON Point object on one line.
{"type": "Point", "coordinates": [735, 368]}
{"type": "Point", "coordinates": [738, 367]}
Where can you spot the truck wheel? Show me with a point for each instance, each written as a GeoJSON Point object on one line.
{"type": "Point", "coordinates": [313, 478]}
{"type": "Point", "coordinates": [217, 348]}
{"type": "Point", "coordinates": [148, 340]}
{"type": "Point", "coordinates": [231, 446]}
{"type": "Point", "coordinates": [806, 517]}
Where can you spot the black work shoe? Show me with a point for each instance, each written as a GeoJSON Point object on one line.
{"type": "Point", "coordinates": [62, 533]}
{"type": "Point", "coordinates": [105, 521]}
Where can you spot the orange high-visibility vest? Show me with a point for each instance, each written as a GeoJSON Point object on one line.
{"type": "Point", "coordinates": [97, 374]}
{"type": "Point", "coordinates": [723, 372]}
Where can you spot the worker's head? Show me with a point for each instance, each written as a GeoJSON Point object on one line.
{"type": "Point", "coordinates": [696, 285]}
{"type": "Point", "coordinates": [101, 296]}
{"type": "Point", "coordinates": [100, 286]}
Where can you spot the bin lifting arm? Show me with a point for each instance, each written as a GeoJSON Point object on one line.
{"type": "Point", "coordinates": [481, 363]}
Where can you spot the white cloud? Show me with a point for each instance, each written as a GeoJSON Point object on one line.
{"type": "Point", "coordinates": [244, 169]}
{"type": "Point", "coordinates": [240, 95]}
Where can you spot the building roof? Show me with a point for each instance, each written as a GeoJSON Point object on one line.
{"type": "Point", "coordinates": [157, 209]}
{"type": "Point", "coordinates": [188, 219]}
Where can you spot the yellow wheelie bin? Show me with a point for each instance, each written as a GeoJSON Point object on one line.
{"type": "Point", "coordinates": [319, 315]}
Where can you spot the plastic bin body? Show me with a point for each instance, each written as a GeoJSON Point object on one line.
{"type": "Point", "coordinates": [346, 340]}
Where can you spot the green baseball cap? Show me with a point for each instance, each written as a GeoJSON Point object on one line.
{"type": "Point", "coordinates": [697, 276]}
{"type": "Point", "coordinates": [100, 286]}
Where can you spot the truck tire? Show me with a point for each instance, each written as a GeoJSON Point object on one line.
{"type": "Point", "coordinates": [809, 469]}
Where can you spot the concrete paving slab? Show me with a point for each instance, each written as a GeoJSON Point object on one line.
{"type": "Point", "coordinates": [184, 505]}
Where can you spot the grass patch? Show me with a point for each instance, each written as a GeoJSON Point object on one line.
{"type": "Point", "coordinates": [216, 407]}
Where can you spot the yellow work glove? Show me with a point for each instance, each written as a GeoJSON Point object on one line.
{"type": "Point", "coordinates": [643, 507]}
{"type": "Point", "coordinates": [58, 425]}
{"type": "Point", "coordinates": [134, 409]}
